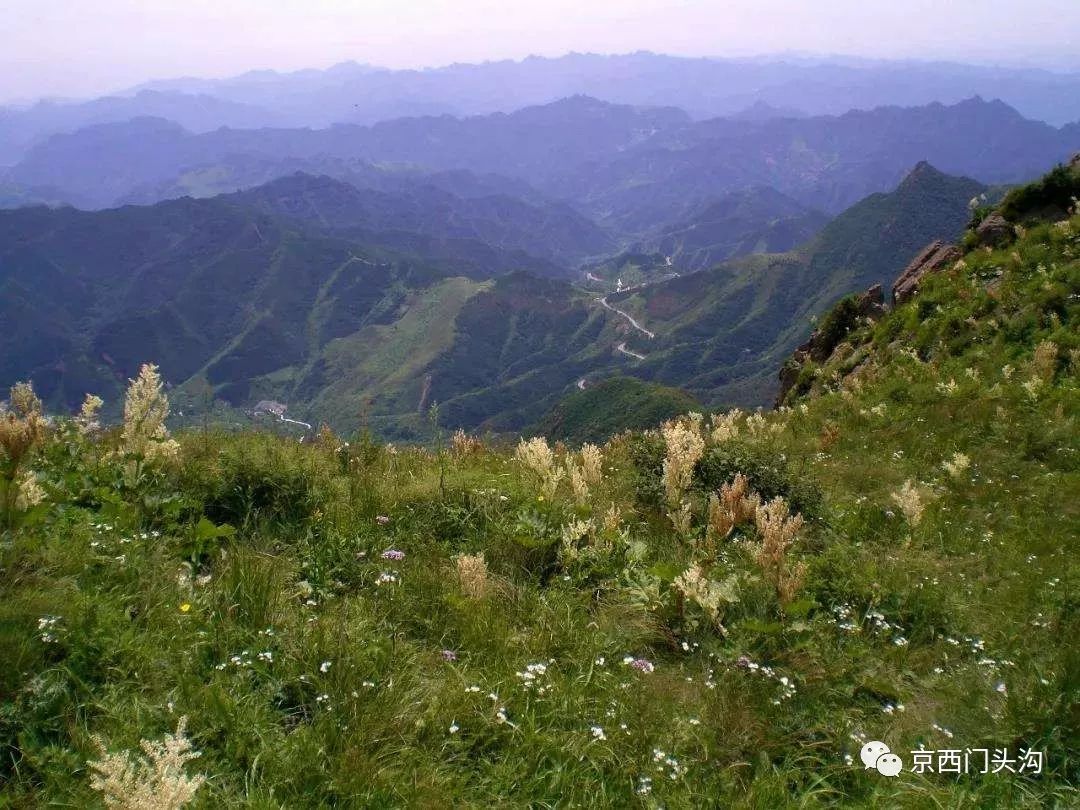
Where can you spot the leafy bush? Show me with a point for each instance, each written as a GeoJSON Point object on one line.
{"type": "Point", "coordinates": [256, 478]}
{"type": "Point", "coordinates": [768, 474]}
{"type": "Point", "coordinates": [1052, 196]}
{"type": "Point", "coordinates": [836, 324]}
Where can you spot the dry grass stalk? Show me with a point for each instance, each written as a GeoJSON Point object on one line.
{"type": "Point", "coordinates": [612, 519]}
{"type": "Point", "coordinates": [536, 456]}
{"type": "Point", "coordinates": [758, 426]}
{"type": "Point", "coordinates": [145, 409]}
{"type": "Point", "coordinates": [682, 518]}
{"type": "Point", "coordinates": [28, 492]}
{"type": "Point", "coordinates": [22, 429]}
{"type": "Point", "coordinates": [153, 782]}
{"type": "Point", "coordinates": [578, 484]}
{"type": "Point", "coordinates": [725, 426]}
{"type": "Point", "coordinates": [779, 530]}
{"type": "Point", "coordinates": [1044, 361]}
{"type": "Point", "coordinates": [87, 420]}
{"type": "Point", "coordinates": [472, 574]}
{"type": "Point", "coordinates": [592, 463]}
{"type": "Point", "coordinates": [22, 426]}
{"type": "Point", "coordinates": [830, 435]}
{"type": "Point", "coordinates": [910, 501]}
{"type": "Point", "coordinates": [734, 504]}
{"type": "Point", "coordinates": [684, 448]}
{"type": "Point", "coordinates": [956, 465]}
{"type": "Point", "coordinates": [463, 444]}
{"type": "Point", "coordinates": [710, 596]}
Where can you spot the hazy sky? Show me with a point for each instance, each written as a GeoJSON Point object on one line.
{"type": "Point", "coordinates": [88, 47]}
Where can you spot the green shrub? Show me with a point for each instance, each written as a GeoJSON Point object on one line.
{"type": "Point", "coordinates": [837, 323]}
{"type": "Point", "coordinates": [769, 475]}
{"type": "Point", "coordinates": [257, 478]}
{"type": "Point", "coordinates": [1052, 195]}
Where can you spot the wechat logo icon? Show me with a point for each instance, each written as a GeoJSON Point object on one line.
{"type": "Point", "coordinates": [876, 754]}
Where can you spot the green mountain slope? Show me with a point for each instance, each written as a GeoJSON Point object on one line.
{"type": "Point", "coordinates": [339, 302]}
{"type": "Point", "coordinates": [757, 220]}
{"type": "Point", "coordinates": [209, 289]}
{"type": "Point", "coordinates": [867, 244]}
{"type": "Point", "coordinates": [989, 304]}
{"type": "Point", "coordinates": [611, 406]}
{"type": "Point", "coordinates": [518, 348]}
{"type": "Point", "coordinates": [423, 218]}
{"type": "Point", "coordinates": [754, 220]}
{"type": "Point", "coordinates": [722, 333]}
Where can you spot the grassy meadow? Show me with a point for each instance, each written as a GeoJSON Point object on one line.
{"type": "Point", "coordinates": [718, 612]}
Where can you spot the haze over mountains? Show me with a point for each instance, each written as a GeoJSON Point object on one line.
{"type": "Point", "coordinates": [705, 88]}
{"type": "Point", "coordinates": [635, 170]}
{"type": "Point", "coordinates": [487, 255]}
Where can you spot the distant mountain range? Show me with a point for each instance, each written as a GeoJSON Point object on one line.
{"type": "Point", "coordinates": [638, 172]}
{"type": "Point", "coordinates": [706, 88]}
{"type": "Point", "coordinates": [670, 223]}
{"type": "Point", "coordinates": [337, 300]}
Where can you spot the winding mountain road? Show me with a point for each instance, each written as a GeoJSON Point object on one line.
{"type": "Point", "coordinates": [628, 316]}
{"type": "Point", "coordinates": [284, 418]}
{"type": "Point", "coordinates": [622, 348]}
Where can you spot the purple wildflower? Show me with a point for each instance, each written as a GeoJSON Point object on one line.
{"type": "Point", "coordinates": [449, 655]}
{"type": "Point", "coordinates": [382, 520]}
{"type": "Point", "coordinates": [393, 554]}
{"type": "Point", "coordinates": [642, 665]}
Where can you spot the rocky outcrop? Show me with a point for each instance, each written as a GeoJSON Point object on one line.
{"type": "Point", "coordinates": [871, 304]}
{"type": "Point", "coordinates": [993, 231]}
{"type": "Point", "coordinates": [789, 375]}
{"type": "Point", "coordinates": [931, 259]}
{"type": "Point", "coordinates": [834, 327]}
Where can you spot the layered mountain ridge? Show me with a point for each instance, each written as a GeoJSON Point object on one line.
{"type": "Point", "coordinates": [756, 89]}
{"type": "Point", "coordinates": [317, 294]}
{"type": "Point", "coordinates": [635, 171]}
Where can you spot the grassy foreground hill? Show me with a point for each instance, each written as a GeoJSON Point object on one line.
{"type": "Point", "coordinates": [718, 613]}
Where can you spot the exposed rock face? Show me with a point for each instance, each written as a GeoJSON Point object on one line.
{"type": "Point", "coordinates": [871, 303]}
{"type": "Point", "coordinates": [931, 259]}
{"type": "Point", "coordinates": [820, 346]}
{"type": "Point", "coordinates": [993, 231]}
{"type": "Point", "coordinates": [789, 375]}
